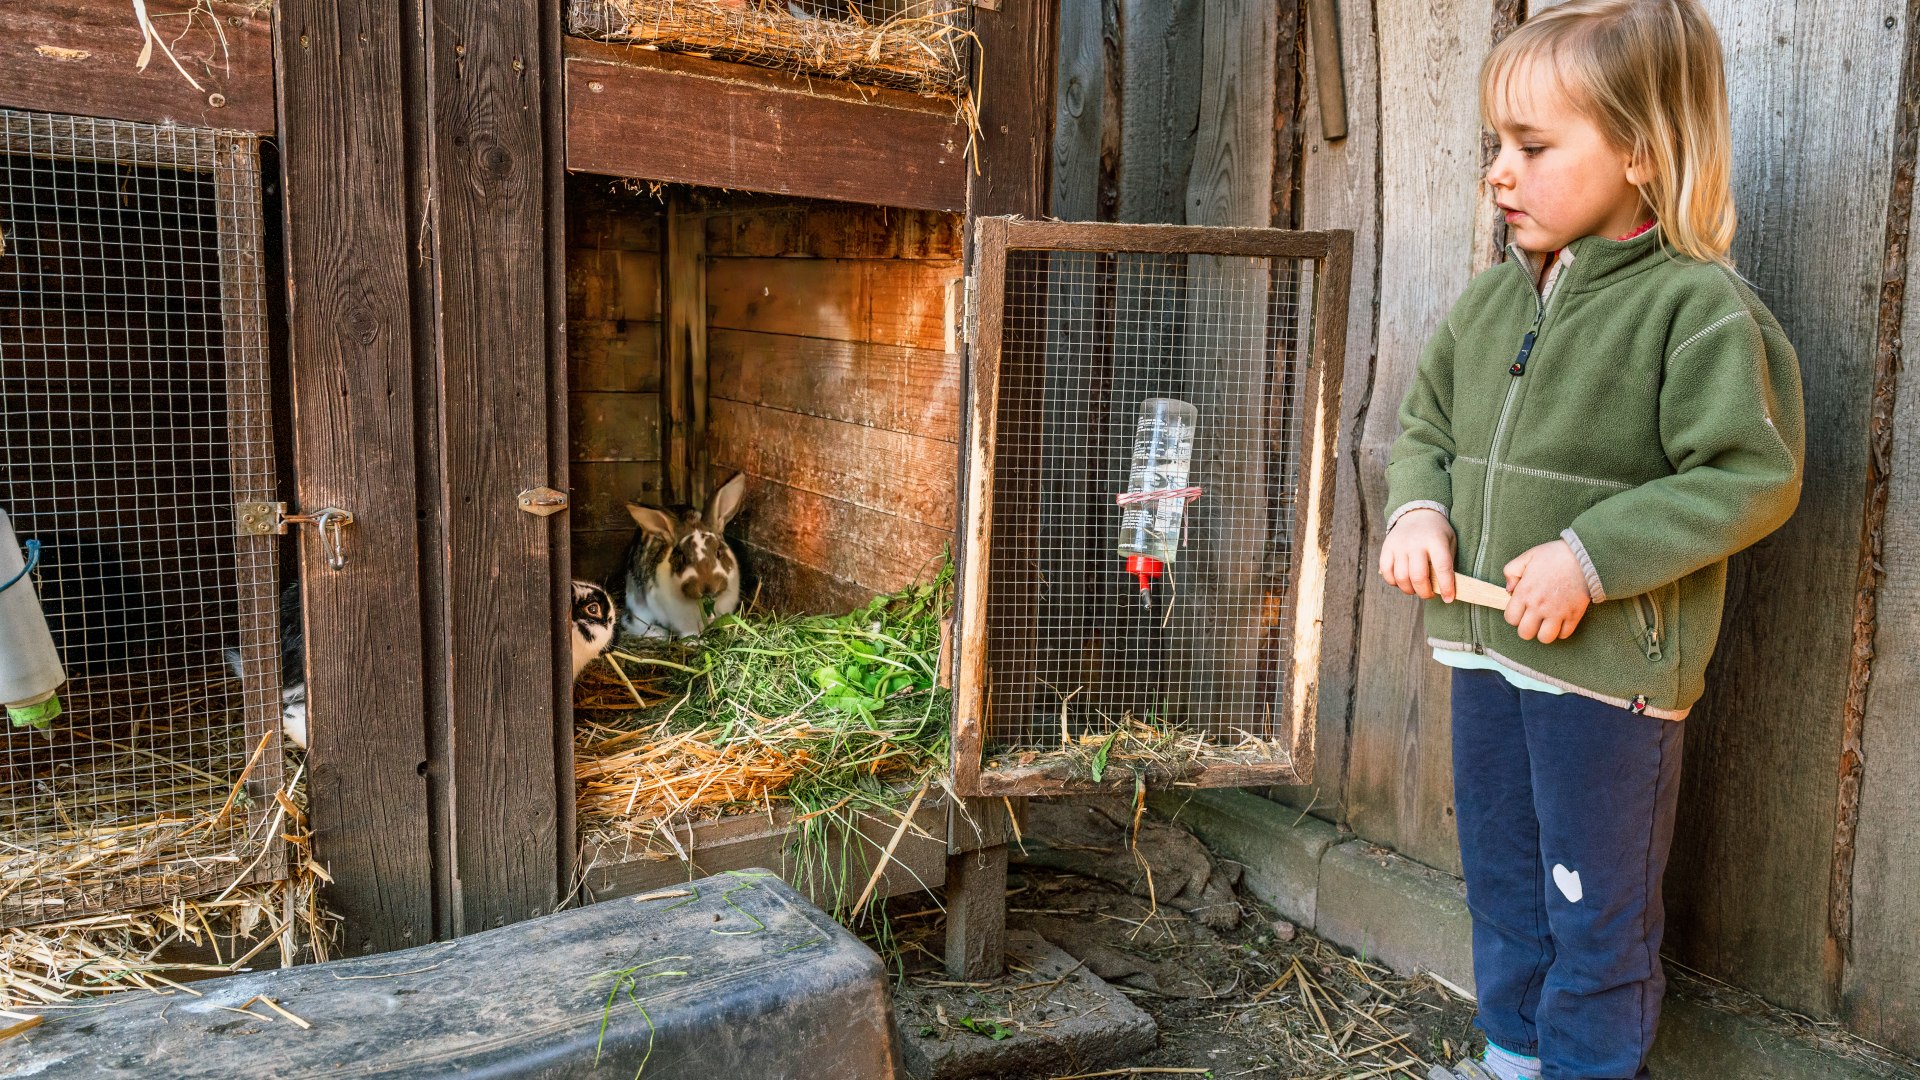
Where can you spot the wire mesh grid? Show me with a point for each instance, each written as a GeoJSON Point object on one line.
{"type": "Point", "coordinates": [135, 415]}
{"type": "Point", "coordinates": [1093, 344]}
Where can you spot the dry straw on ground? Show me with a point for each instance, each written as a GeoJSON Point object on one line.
{"type": "Point", "coordinates": [919, 47]}
{"type": "Point", "coordinates": [138, 852]}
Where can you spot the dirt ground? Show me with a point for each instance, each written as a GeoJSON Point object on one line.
{"type": "Point", "coordinates": [1235, 989]}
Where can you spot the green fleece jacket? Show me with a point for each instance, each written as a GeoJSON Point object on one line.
{"type": "Point", "coordinates": [1648, 412]}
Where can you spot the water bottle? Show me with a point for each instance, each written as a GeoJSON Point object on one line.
{"type": "Point", "coordinates": [30, 671]}
{"type": "Point", "coordinates": [1162, 455]}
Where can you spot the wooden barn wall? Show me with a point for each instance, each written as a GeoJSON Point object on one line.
{"type": "Point", "coordinates": [834, 385]}
{"type": "Point", "coordinates": [1815, 89]}
{"type": "Point", "coordinates": [1880, 997]}
{"type": "Point", "coordinates": [613, 367]}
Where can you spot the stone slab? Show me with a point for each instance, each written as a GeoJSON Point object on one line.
{"type": "Point", "coordinates": [1073, 1025]}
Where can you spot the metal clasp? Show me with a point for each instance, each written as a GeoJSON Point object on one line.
{"type": "Point", "coordinates": [327, 523]}
{"type": "Point", "coordinates": [260, 519]}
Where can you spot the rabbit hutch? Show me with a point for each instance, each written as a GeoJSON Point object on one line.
{"type": "Point", "coordinates": [1063, 488]}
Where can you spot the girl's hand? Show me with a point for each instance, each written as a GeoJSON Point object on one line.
{"type": "Point", "coordinates": [1417, 557]}
{"type": "Point", "coordinates": [1549, 592]}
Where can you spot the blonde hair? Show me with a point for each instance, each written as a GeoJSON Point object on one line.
{"type": "Point", "coordinates": [1650, 75]}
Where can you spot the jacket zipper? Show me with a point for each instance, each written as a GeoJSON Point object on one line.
{"type": "Point", "coordinates": [1647, 612]}
{"type": "Point", "coordinates": [1517, 369]}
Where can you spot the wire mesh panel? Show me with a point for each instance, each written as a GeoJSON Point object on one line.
{"type": "Point", "coordinates": [1149, 489]}
{"type": "Point", "coordinates": [134, 416]}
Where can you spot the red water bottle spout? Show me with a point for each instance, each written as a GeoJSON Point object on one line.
{"type": "Point", "coordinates": [1145, 568]}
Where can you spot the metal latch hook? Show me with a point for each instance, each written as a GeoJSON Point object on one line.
{"type": "Point", "coordinates": [328, 523]}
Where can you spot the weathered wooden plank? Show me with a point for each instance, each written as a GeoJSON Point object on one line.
{"type": "Point", "coordinates": [683, 331]}
{"type": "Point", "coordinates": [752, 840]}
{"type": "Point", "coordinates": [1222, 576]}
{"type": "Point", "coordinates": [879, 551]}
{"type": "Point", "coordinates": [885, 302]}
{"type": "Point", "coordinates": [1399, 781]}
{"type": "Point", "coordinates": [1062, 777]}
{"type": "Point", "coordinates": [1016, 77]}
{"type": "Point", "coordinates": [1341, 189]}
{"type": "Point", "coordinates": [599, 555]}
{"type": "Point", "coordinates": [615, 427]}
{"type": "Point", "coordinates": [777, 583]}
{"type": "Point", "coordinates": [349, 331]}
{"type": "Point", "coordinates": [1197, 239]}
{"type": "Point", "coordinates": [77, 57]}
{"type": "Point", "coordinates": [605, 213]}
{"type": "Point", "coordinates": [884, 386]}
{"type": "Point", "coordinates": [1078, 113]}
{"type": "Point", "coordinates": [602, 490]}
{"type": "Point", "coordinates": [486, 79]}
{"type": "Point", "coordinates": [656, 116]}
{"type": "Point", "coordinates": [1752, 859]}
{"type": "Point", "coordinates": [886, 471]}
{"type": "Point", "coordinates": [1163, 79]}
{"type": "Point", "coordinates": [616, 357]}
{"type": "Point", "coordinates": [826, 230]}
{"type": "Point", "coordinates": [1880, 997]}
{"type": "Point", "coordinates": [553, 139]}
{"type": "Point", "coordinates": [613, 284]}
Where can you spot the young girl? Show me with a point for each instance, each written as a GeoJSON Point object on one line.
{"type": "Point", "coordinates": [1600, 421]}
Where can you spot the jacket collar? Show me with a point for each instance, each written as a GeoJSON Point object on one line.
{"type": "Point", "coordinates": [1594, 262]}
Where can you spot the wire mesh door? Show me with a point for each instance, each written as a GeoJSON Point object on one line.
{"type": "Point", "coordinates": [134, 417]}
{"type": "Point", "coordinates": [1152, 415]}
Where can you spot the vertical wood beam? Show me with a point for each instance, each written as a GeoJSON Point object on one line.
{"type": "Point", "coordinates": [339, 76]}
{"type": "Point", "coordinates": [683, 320]}
{"type": "Point", "coordinates": [553, 127]}
{"type": "Point", "coordinates": [1016, 80]}
{"type": "Point", "coordinates": [487, 82]}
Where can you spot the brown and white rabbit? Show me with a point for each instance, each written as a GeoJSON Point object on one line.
{"type": "Point", "coordinates": [678, 559]}
{"type": "Point", "coordinates": [593, 617]}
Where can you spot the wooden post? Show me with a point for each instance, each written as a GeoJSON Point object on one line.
{"type": "Point", "coordinates": [487, 77]}
{"type": "Point", "coordinates": [1016, 80]}
{"type": "Point", "coordinates": [683, 321]}
{"type": "Point", "coordinates": [349, 251]}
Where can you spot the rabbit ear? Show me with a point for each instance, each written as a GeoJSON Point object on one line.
{"type": "Point", "coordinates": [657, 523]}
{"type": "Point", "coordinates": [725, 503]}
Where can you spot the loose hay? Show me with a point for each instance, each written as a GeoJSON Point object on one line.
{"type": "Point", "coordinates": [147, 788]}
{"type": "Point", "coordinates": [156, 946]}
{"type": "Point", "coordinates": [831, 715]}
{"type": "Point", "coordinates": [921, 47]}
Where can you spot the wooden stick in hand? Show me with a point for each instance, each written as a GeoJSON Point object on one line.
{"type": "Point", "coordinates": [1484, 593]}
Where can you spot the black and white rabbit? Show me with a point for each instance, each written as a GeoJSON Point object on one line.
{"type": "Point", "coordinates": [593, 617]}
{"type": "Point", "coordinates": [679, 560]}
{"type": "Point", "coordinates": [293, 666]}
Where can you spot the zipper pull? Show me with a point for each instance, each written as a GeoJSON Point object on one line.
{"type": "Point", "coordinates": [1519, 367]}
{"type": "Point", "coordinates": [1639, 704]}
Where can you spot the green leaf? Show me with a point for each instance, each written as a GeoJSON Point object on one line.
{"type": "Point", "coordinates": [1100, 756]}
{"type": "Point", "coordinates": [992, 1029]}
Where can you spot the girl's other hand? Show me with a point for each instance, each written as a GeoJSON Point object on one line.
{"type": "Point", "coordinates": [1417, 557]}
{"type": "Point", "coordinates": [1549, 592]}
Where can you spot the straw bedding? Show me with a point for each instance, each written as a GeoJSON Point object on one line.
{"type": "Point", "coordinates": [920, 47]}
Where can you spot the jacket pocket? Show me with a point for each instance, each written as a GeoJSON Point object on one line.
{"type": "Point", "coordinates": [1649, 628]}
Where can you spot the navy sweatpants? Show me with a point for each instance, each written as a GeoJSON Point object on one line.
{"type": "Point", "coordinates": [1566, 808]}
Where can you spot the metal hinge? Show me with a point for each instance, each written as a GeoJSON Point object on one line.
{"type": "Point", "coordinates": [271, 519]}
{"type": "Point", "coordinates": [966, 309]}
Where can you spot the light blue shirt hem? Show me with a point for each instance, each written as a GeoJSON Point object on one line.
{"type": "Point", "coordinates": [1457, 658]}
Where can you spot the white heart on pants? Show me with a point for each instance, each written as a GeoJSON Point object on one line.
{"type": "Point", "coordinates": [1569, 882]}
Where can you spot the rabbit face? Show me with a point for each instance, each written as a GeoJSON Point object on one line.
{"type": "Point", "coordinates": [593, 617]}
{"type": "Point", "coordinates": [680, 563]}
